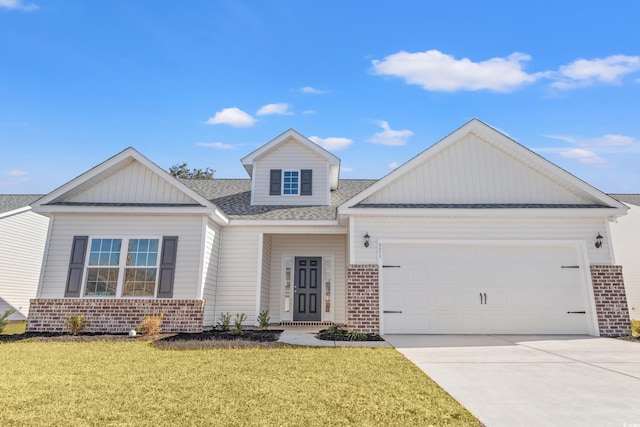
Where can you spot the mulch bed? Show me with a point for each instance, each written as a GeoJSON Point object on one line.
{"type": "Point", "coordinates": [207, 339]}
{"type": "Point", "coordinates": [325, 336]}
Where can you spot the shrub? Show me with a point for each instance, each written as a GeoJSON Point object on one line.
{"type": "Point", "coordinates": [264, 319]}
{"type": "Point", "coordinates": [635, 328]}
{"type": "Point", "coordinates": [151, 325]}
{"type": "Point", "coordinates": [4, 318]}
{"type": "Point", "coordinates": [76, 324]}
{"type": "Point", "coordinates": [237, 323]}
{"type": "Point", "coordinates": [336, 329]}
{"type": "Point", "coordinates": [356, 336]}
{"type": "Point", "coordinates": [224, 322]}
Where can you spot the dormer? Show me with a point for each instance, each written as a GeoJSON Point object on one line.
{"type": "Point", "coordinates": [292, 170]}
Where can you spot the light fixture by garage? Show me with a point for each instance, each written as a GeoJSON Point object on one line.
{"type": "Point", "coordinates": [366, 239]}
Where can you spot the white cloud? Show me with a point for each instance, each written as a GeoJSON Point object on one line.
{"type": "Point", "coordinates": [233, 117]}
{"type": "Point", "coordinates": [281, 109]}
{"type": "Point", "coordinates": [309, 112]}
{"type": "Point", "coordinates": [16, 177]}
{"type": "Point", "coordinates": [587, 72]}
{"type": "Point", "coordinates": [312, 90]}
{"type": "Point", "coordinates": [332, 143]}
{"type": "Point", "coordinates": [346, 169]}
{"type": "Point", "coordinates": [436, 71]}
{"type": "Point", "coordinates": [216, 145]}
{"type": "Point", "coordinates": [16, 173]}
{"type": "Point", "coordinates": [584, 156]}
{"type": "Point", "coordinates": [393, 165]}
{"type": "Point", "coordinates": [389, 136]}
{"type": "Point", "coordinates": [17, 5]}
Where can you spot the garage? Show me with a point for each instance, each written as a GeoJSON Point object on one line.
{"type": "Point", "coordinates": [481, 288]}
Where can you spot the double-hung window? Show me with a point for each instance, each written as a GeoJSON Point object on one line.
{"type": "Point", "coordinates": [122, 266]}
{"type": "Point", "coordinates": [290, 183]}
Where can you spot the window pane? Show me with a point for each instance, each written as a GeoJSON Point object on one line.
{"type": "Point", "coordinates": [290, 182]}
{"type": "Point", "coordinates": [139, 282]}
{"type": "Point", "coordinates": [101, 281]}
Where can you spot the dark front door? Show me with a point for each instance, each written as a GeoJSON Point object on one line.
{"type": "Point", "coordinates": [307, 289]}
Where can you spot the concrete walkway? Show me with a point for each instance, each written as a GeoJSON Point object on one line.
{"type": "Point", "coordinates": [508, 380]}
{"type": "Point", "coordinates": [307, 336]}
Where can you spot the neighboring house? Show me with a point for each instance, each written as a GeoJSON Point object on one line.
{"type": "Point", "coordinates": [22, 238]}
{"type": "Point", "coordinates": [476, 234]}
{"type": "Point", "coordinates": [626, 248]}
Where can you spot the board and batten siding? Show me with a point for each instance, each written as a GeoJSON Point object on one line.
{"type": "Point", "coordinates": [210, 271]}
{"type": "Point", "coordinates": [626, 248]}
{"type": "Point", "coordinates": [308, 246]}
{"type": "Point", "coordinates": [22, 241]}
{"type": "Point", "coordinates": [423, 229]}
{"type": "Point", "coordinates": [291, 156]}
{"type": "Point", "coordinates": [188, 228]}
{"type": "Point", "coordinates": [133, 184]}
{"type": "Point", "coordinates": [474, 171]}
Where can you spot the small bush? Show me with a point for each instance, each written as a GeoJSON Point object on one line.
{"type": "Point", "coordinates": [151, 325]}
{"type": "Point", "coordinates": [76, 324]}
{"type": "Point", "coordinates": [237, 323]}
{"type": "Point", "coordinates": [225, 322]}
{"type": "Point", "coordinates": [635, 328]}
{"type": "Point", "coordinates": [264, 319]}
{"type": "Point", "coordinates": [356, 336]}
{"type": "Point", "coordinates": [4, 318]}
{"type": "Point", "coordinates": [336, 329]}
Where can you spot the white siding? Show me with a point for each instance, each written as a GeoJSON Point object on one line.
{"type": "Point", "coordinates": [210, 271]}
{"type": "Point", "coordinates": [308, 245]}
{"type": "Point", "coordinates": [389, 228]}
{"type": "Point", "coordinates": [474, 171]}
{"type": "Point", "coordinates": [133, 184]}
{"type": "Point", "coordinates": [22, 241]}
{"type": "Point", "coordinates": [265, 281]}
{"type": "Point", "coordinates": [237, 273]}
{"type": "Point", "coordinates": [65, 226]}
{"type": "Point", "coordinates": [626, 245]}
{"type": "Point", "coordinates": [293, 156]}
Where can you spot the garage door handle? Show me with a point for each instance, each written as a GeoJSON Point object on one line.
{"type": "Point", "coordinates": [392, 311]}
{"type": "Point", "coordinates": [576, 312]}
{"type": "Point", "coordinates": [390, 266]}
{"type": "Point", "coordinates": [570, 266]}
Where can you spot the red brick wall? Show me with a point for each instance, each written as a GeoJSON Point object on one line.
{"type": "Point", "coordinates": [115, 315]}
{"type": "Point", "coordinates": [363, 298]}
{"type": "Point", "coordinates": [611, 300]}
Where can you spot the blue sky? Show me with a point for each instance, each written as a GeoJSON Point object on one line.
{"type": "Point", "coordinates": [207, 82]}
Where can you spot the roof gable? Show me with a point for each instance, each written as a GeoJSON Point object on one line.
{"type": "Point", "coordinates": [477, 165]}
{"type": "Point", "coordinates": [291, 136]}
{"type": "Point", "coordinates": [126, 179]}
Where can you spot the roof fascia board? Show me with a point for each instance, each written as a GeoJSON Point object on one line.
{"type": "Point", "coordinates": [15, 212]}
{"type": "Point", "coordinates": [143, 210]}
{"type": "Point", "coordinates": [485, 212]}
{"type": "Point", "coordinates": [284, 223]}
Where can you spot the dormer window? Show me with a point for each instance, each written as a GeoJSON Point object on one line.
{"type": "Point", "coordinates": [291, 182]}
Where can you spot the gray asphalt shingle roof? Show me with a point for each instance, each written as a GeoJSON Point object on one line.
{"type": "Point", "coordinates": [633, 199]}
{"type": "Point", "coordinates": [233, 196]}
{"type": "Point", "coordinates": [9, 202]}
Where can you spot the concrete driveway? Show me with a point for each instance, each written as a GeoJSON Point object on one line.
{"type": "Point", "coordinates": [508, 380]}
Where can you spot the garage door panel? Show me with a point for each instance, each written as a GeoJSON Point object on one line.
{"type": "Point", "coordinates": [470, 288]}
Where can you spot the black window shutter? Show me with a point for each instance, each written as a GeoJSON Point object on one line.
{"type": "Point", "coordinates": [167, 266]}
{"type": "Point", "coordinates": [306, 180]}
{"type": "Point", "coordinates": [275, 182]}
{"type": "Point", "coordinates": [76, 266]}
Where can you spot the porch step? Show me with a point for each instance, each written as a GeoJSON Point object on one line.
{"type": "Point", "coordinates": [290, 323]}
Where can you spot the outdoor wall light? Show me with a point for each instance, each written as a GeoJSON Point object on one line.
{"type": "Point", "coordinates": [366, 240]}
{"type": "Point", "coordinates": [598, 243]}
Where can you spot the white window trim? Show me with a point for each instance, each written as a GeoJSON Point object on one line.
{"type": "Point", "coordinates": [282, 185]}
{"type": "Point", "coordinates": [121, 267]}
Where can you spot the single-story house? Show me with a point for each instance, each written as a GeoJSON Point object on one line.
{"type": "Point", "coordinates": [22, 238]}
{"type": "Point", "coordinates": [476, 234]}
{"type": "Point", "coordinates": [625, 233]}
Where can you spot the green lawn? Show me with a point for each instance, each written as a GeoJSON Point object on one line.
{"type": "Point", "coordinates": [133, 383]}
{"type": "Point", "coordinates": [15, 328]}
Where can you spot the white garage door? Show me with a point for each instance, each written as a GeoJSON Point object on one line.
{"type": "Point", "coordinates": [488, 288]}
